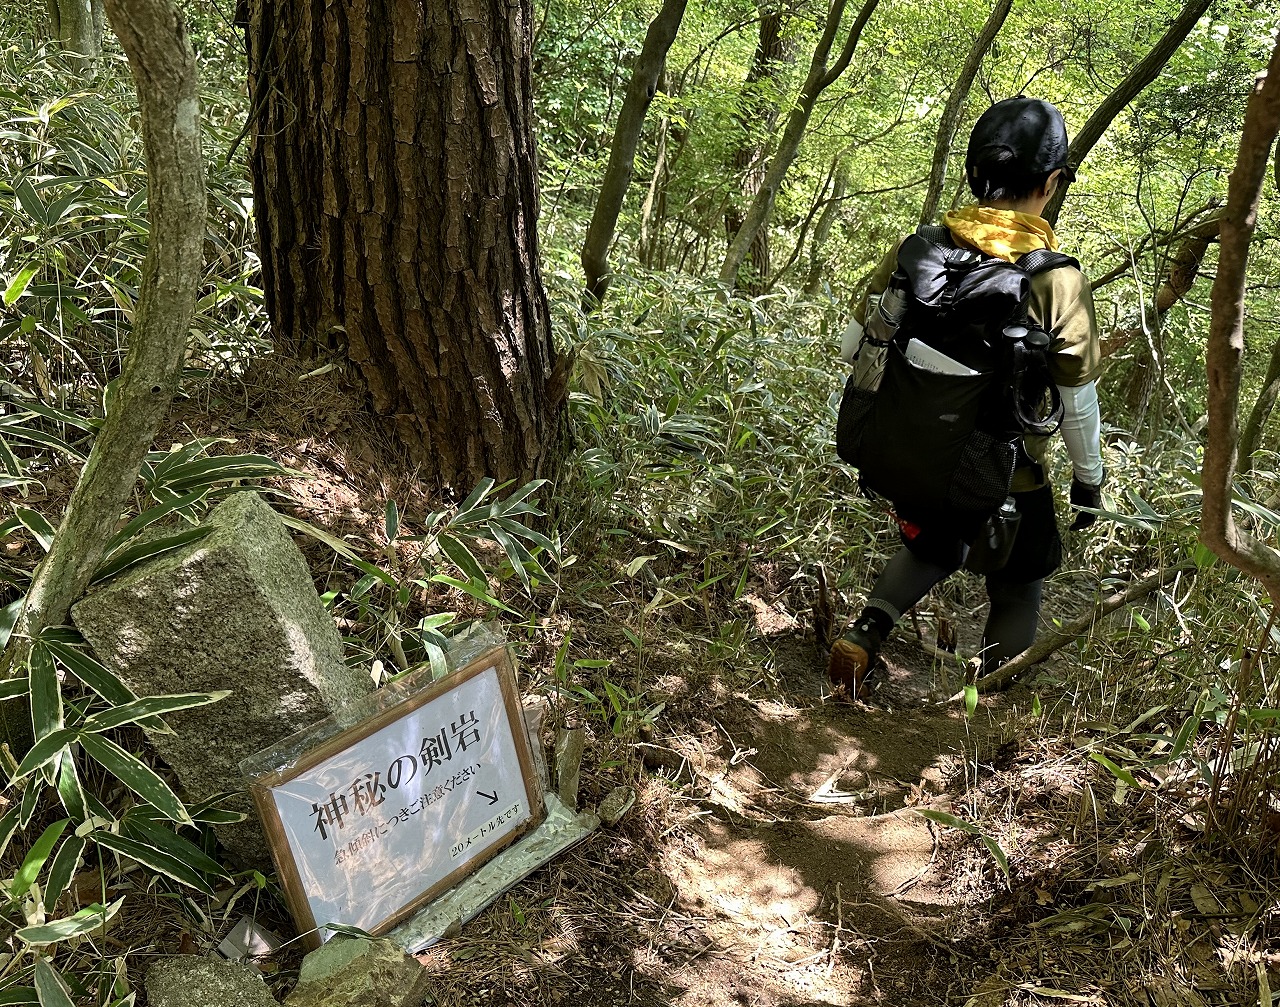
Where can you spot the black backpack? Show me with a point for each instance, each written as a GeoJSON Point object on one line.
{"type": "Point", "coordinates": [942, 447]}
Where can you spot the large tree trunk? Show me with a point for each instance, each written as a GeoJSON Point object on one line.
{"type": "Point", "coordinates": [1225, 350]}
{"type": "Point", "coordinates": [820, 77]}
{"type": "Point", "coordinates": [396, 200]}
{"type": "Point", "coordinates": [955, 105]}
{"type": "Point", "coordinates": [164, 69]}
{"type": "Point", "coordinates": [1251, 439]}
{"type": "Point", "coordinates": [78, 26]}
{"type": "Point", "coordinates": [622, 153]}
{"type": "Point", "coordinates": [1147, 70]}
{"type": "Point", "coordinates": [756, 120]}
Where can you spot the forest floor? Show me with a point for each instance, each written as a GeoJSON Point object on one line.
{"type": "Point", "coordinates": [776, 856]}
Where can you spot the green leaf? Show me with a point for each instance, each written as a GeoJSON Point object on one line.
{"type": "Point", "coordinates": [168, 841]}
{"type": "Point", "coordinates": [1204, 556]}
{"type": "Point", "coordinates": [475, 591]}
{"type": "Point", "coordinates": [473, 499]}
{"type": "Point", "coordinates": [135, 554]}
{"type": "Point", "coordinates": [135, 775]}
{"type": "Point", "coordinates": [50, 988]}
{"type": "Point", "coordinates": [203, 472]}
{"type": "Point", "coordinates": [62, 870]}
{"type": "Point", "coordinates": [157, 860]}
{"type": "Point", "coordinates": [209, 811]}
{"type": "Point", "coordinates": [37, 525]}
{"type": "Point", "coordinates": [1035, 705]}
{"type": "Point", "coordinates": [942, 818]}
{"type": "Point", "coordinates": [151, 516]}
{"type": "Point", "coordinates": [18, 285]}
{"type": "Point", "coordinates": [92, 673]}
{"type": "Point", "coordinates": [1118, 772]}
{"type": "Point", "coordinates": [46, 696]}
{"type": "Point", "coordinates": [8, 826]}
{"type": "Point", "coordinates": [12, 996]}
{"type": "Point", "coordinates": [998, 853]}
{"type": "Point", "coordinates": [70, 792]}
{"type": "Point", "coordinates": [35, 859]}
{"type": "Point", "coordinates": [461, 557]}
{"type": "Point", "coordinates": [150, 706]}
{"type": "Point", "coordinates": [392, 522]}
{"type": "Point", "coordinates": [11, 688]}
{"type": "Point", "coordinates": [30, 201]}
{"type": "Point", "coordinates": [970, 698]}
{"type": "Point", "coordinates": [44, 751]}
{"type": "Point", "coordinates": [10, 462]}
{"type": "Point", "coordinates": [86, 920]}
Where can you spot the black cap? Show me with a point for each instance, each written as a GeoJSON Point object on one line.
{"type": "Point", "coordinates": [1031, 129]}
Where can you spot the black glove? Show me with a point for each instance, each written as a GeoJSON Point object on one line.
{"type": "Point", "coordinates": [1084, 495]}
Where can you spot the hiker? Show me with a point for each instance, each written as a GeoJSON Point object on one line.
{"type": "Point", "coordinates": [1015, 161]}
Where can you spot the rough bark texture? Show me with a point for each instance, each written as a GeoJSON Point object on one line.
{"type": "Point", "coordinates": [1147, 70]}
{"type": "Point", "coordinates": [396, 200]}
{"type": "Point", "coordinates": [1183, 268]}
{"type": "Point", "coordinates": [78, 26]}
{"type": "Point", "coordinates": [1223, 357]}
{"type": "Point", "coordinates": [164, 70]}
{"type": "Point", "coordinates": [756, 121]}
{"type": "Point", "coordinates": [955, 105]}
{"type": "Point", "coordinates": [622, 153]}
{"type": "Point", "coordinates": [820, 77]}
{"type": "Point", "coordinates": [1251, 439]}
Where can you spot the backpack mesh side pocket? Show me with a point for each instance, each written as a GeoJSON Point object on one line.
{"type": "Point", "coordinates": [854, 409]}
{"type": "Point", "coordinates": [981, 481]}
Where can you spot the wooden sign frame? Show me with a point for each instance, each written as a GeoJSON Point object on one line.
{"type": "Point", "coordinates": [261, 787]}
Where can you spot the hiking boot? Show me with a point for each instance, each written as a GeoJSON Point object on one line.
{"type": "Point", "coordinates": [853, 656]}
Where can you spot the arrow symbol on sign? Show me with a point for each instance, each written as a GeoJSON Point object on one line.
{"type": "Point", "coordinates": [492, 798]}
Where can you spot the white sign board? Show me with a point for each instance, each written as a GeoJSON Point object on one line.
{"type": "Point", "coordinates": [395, 810]}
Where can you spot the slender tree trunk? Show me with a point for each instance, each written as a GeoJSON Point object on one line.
{"type": "Point", "coordinates": [756, 121]}
{"type": "Point", "coordinates": [396, 200]}
{"type": "Point", "coordinates": [817, 80]}
{"type": "Point", "coordinates": [1225, 350]}
{"type": "Point", "coordinates": [1184, 268]}
{"type": "Point", "coordinates": [167, 78]}
{"type": "Point", "coordinates": [817, 258]}
{"type": "Point", "coordinates": [1251, 439]}
{"type": "Point", "coordinates": [78, 26]}
{"type": "Point", "coordinates": [654, 205]}
{"type": "Point", "coordinates": [622, 153]}
{"type": "Point", "coordinates": [955, 106]}
{"type": "Point", "coordinates": [1147, 70]}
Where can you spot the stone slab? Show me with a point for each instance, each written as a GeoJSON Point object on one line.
{"type": "Point", "coordinates": [353, 972]}
{"type": "Point", "coordinates": [236, 610]}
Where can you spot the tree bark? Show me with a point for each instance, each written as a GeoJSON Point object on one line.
{"type": "Point", "coordinates": [166, 75]}
{"type": "Point", "coordinates": [1147, 70]}
{"type": "Point", "coordinates": [1251, 439]}
{"type": "Point", "coordinates": [817, 80]}
{"type": "Point", "coordinates": [955, 105]}
{"type": "Point", "coordinates": [396, 200]}
{"type": "Point", "coordinates": [78, 26]}
{"type": "Point", "coordinates": [622, 152]}
{"type": "Point", "coordinates": [756, 121]}
{"type": "Point", "coordinates": [1223, 357]}
{"type": "Point", "coordinates": [1183, 269]}
{"type": "Point", "coordinates": [817, 258]}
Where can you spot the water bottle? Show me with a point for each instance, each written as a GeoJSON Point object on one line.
{"type": "Point", "coordinates": [994, 544]}
{"type": "Point", "coordinates": [884, 319]}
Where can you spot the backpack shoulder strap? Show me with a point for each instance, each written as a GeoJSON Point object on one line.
{"type": "Point", "coordinates": [1042, 260]}
{"type": "Point", "coordinates": [937, 234]}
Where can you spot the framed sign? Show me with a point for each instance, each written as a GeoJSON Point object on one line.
{"type": "Point", "coordinates": [383, 816]}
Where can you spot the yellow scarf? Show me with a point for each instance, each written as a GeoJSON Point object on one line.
{"type": "Point", "coordinates": [1006, 234]}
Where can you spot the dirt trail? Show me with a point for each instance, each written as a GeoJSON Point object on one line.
{"type": "Point", "coordinates": [815, 881]}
